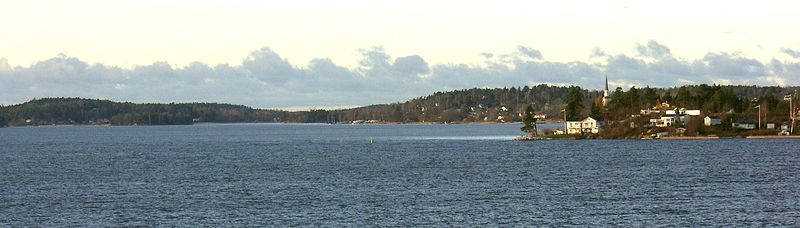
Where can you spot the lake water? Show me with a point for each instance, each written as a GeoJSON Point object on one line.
{"type": "Point", "coordinates": [412, 175]}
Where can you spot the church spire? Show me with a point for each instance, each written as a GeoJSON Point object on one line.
{"type": "Point", "coordinates": [606, 97]}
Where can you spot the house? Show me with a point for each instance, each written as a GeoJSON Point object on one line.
{"type": "Point", "coordinates": [574, 127]}
{"type": "Point", "coordinates": [539, 116]}
{"type": "Point", "coordinates": [744, 124]}
{"type": "Point", "coordinates": [770, 125]}
{"type": "Point", "coordinates": [664, 121]}
{"type": "Point", "coordinates": [588, 125]}
{"type": "Point", "coordinates": [708, 121]}
{"type": "Point", "coordinates": [692, 112]}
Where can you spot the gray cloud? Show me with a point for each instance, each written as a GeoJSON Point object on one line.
{"type": "Point", "coordinates": [268, 66]}
{"type": "Point", "coordinates": [654, 50]}
{"type": "Point", "coordinates": [267, 80]}
{"type": "Point", "coordinates": [529, 52]}
{"type": "Point", "coordinates": [411, 65]}
{"type": "Point", "coordinates": [733, 66]}
{"type": "Point", "coordinates": [790, 52]}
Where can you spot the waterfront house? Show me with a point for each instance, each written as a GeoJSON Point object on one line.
{"type": "Point", "coordinates": [574, 127]}
{"type": "Point", "coordinates": [588, 125]}
{"type": "Point", "coordinates": [672, 117]}
{"type": "Point", "coordinates": [744, 124]}
{"type": "Point", "coordinates": [709, 121]}
{"type": "Point", "coordinates": [664, 121]}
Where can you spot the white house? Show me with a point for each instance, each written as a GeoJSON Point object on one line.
{"type": "Point", "coordinates": [692, 112]}
{"type": "Point", "coordinates": [708, 121]}
{"type": "Point", "coordinates": [574, 127]}
{"type": "Point", "coordinates": [664, 121]}
{"type": "Point", "coordinates": [588, 125]}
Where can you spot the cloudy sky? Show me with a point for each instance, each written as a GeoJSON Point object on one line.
{"type": "Point", "coordinates": [303, 53]}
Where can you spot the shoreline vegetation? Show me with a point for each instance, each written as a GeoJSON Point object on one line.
{"type": "Point", "coordinates": [620, 114]}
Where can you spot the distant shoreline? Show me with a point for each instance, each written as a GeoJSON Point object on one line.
{"type": "Point", "coordinates": [420, 124]}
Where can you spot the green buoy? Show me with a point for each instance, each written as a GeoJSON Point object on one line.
{"type": "Point", "coordinates": [371, 140]}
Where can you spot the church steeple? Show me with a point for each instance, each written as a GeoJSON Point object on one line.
{"type": "Point", "coordinates": [606, 97]}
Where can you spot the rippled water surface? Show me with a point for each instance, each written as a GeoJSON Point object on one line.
{"type": "Point", "coordinates": [331, 175]}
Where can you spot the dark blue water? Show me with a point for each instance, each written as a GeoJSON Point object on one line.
{"type": "Point", "coordinates": [330, 175]}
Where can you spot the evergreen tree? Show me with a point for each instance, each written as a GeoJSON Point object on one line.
{"type": "Point", "coordinates": [650, 97]}
{"type": "Point", "coordinates": [529, 122]}
{"type": "Point", "coordinates": [574, 103]}
{"type": "Point", "coordinates": [596, 106]}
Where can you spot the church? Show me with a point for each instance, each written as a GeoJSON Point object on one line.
{"type": "Point", "coordinates": [606, 95]}
{"type": "Point", "coordinates": [589, 125]}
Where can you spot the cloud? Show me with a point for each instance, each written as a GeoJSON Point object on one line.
{"type": "Point", "coordinates": [265, 79]}
{"type": "Point", "coordinates": [529, 52]}
{"type": "Point", "coordinates": [268, 66]}
{"type": "Point", "coordinates": [792, 53]}
{"type": "Point", "coordinates": [4, 67]}
{"type": "Point", "coordinates": [654, 50]}
{"type": "Point", "coordinates": [733, 66]}
{"type": "Point", "coordinates": [411, 65]}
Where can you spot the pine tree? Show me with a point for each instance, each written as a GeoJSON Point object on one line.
{"type": "Point", "coordinates": [529, 122]}
{"type": "Point", "coordinates": [574, 103]}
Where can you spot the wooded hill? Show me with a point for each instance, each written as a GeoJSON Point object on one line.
{"type": "Point", "coordinates": [479, 105]}
{"type": "Point", "coordinates": [468, 105]}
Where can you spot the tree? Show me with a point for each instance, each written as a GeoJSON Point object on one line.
{"type": "Point", "coordinates": [683, 97]}
{"type": "Point", "coordinates": [529, 122]}
{"type": "Point", "coordinates": [650, 96]}
{"type": "Point", "coordinates": [574, 103]}
{"type": "Point", "coordinates": [597, 105]}
{"type": "Point", "coordinates": [633, 97]}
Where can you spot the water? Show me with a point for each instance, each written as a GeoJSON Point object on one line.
{"type": "Point", "coordinates": [413, 175]}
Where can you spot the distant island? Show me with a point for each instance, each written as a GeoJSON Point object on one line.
{"type": "Point", "coordinates": [632, 113]}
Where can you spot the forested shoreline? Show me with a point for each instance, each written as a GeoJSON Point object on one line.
{"type": "Point", "coordinates": [458, 106]}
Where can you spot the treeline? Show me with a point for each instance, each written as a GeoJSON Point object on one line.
{"type": "Point", "coordinates": [709, 99]}
{"type": "Point", "coordinates": [49, 111]}
{"type": "Point", "coordinates": [730, 104]}
{"type": "Point", "coordinates": [468, 105]}
{"type": "Point", "coordinates": [506, 104]}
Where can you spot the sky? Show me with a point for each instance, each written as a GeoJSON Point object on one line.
{"type": "Point", "coordinates": [328, 54]}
